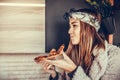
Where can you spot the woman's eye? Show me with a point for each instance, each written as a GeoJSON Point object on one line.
{"type": "Point", "coordinates": [74, 25]}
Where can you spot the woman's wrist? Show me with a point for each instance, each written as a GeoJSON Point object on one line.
{"type": "Point", "coordinates": [72, 73]}
{"type": "Point", "coordinates": [72, 68]}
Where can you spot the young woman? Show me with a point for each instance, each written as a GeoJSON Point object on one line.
{"type": "Point", "coordinates": [86, 56]}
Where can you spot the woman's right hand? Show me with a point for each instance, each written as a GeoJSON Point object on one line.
{"type": "Point", "coordinates": [49, 69]}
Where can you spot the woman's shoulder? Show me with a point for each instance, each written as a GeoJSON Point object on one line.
{"type": "Point", "coordinates": [101, 51]}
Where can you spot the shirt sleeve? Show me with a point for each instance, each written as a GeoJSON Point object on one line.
{"type": "Point", "coordinates": [97, 69]}
{"type": "Point", "coordinates": [72, 73]}
{"type": "Point", "coordinates": [57, 77]}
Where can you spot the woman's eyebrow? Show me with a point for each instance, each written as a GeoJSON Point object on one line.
{"type": "Point", "coordinates": [73, 22]}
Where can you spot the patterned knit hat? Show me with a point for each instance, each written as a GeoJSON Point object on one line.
{"type": "Point", "coordinates": [84, 16]}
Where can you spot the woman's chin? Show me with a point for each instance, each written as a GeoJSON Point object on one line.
{"type": "Point", "coordinates": [74, 43]}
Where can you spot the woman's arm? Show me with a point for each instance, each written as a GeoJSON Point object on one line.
{"type": "Point", "coordinates": [97, 69]}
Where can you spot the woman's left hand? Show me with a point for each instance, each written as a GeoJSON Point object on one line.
{"type": "Point", "coordinates": [66, 64]}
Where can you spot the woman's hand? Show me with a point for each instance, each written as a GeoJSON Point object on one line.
{"type": "Point", "coordinates": [66, 64]}
{"type": "Point", "coordinates": [49, 68]}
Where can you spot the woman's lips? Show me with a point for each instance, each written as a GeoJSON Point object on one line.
{"type": "Point", "coordinates": [71, 37]}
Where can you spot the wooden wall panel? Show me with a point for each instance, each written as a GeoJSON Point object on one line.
{"type": "Point", "coordinates": [21, 67]}
{"type": "Point", "coordinates": [22, 28]}
{"type": "Point", "coordinates": [24, 1]}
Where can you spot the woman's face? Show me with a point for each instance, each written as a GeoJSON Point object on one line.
{"type": "Point", "coordinates": [74, 31]}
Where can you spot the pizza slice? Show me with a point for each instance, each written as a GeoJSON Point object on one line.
{"type": "Point", "coordinates": [53, 55]}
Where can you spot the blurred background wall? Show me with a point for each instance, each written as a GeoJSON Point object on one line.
{"type": "Point", "coordinates": [57, 27]}
{"type": "Point", "coordinates": [22, 26]}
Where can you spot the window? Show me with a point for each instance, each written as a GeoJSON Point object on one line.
{"type": "Point", "coordinates": [22, 26]}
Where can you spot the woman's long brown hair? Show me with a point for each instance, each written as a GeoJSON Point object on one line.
{"type": "Point", "coordinates": [82, 54]}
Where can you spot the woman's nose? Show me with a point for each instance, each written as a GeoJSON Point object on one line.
{"type": "Point", "coordinates": [70, 31]}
